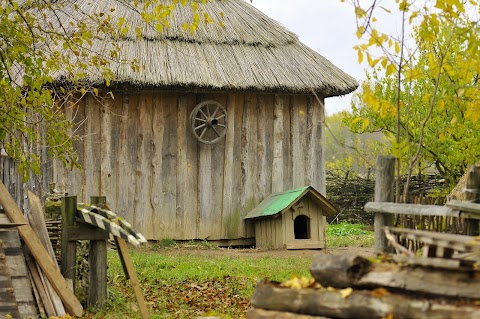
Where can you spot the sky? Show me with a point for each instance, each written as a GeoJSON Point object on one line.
{"type": "Point", "coordinates": [328, 27]}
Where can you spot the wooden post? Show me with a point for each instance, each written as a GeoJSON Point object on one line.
{"type": "Point", "coordinates": [473, 193]}
{"type": "Point", "coordinates": [384, 192]}
{"type": "Point", "coordinates": [97, 261]}
{"type": "Point", "coordinates": [69, 248]}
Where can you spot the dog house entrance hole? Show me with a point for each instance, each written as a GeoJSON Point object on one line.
{"type": "Point", "coordinates": [301, 227]}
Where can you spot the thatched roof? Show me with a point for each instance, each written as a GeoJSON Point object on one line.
{"type": "Point", "coordinates": [251, 51]}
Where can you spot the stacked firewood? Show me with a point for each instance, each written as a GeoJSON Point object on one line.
{"type": "Point", "coordinates": [356, 287]}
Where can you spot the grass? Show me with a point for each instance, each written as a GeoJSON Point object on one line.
{"type": "Point", "coordinates": [196, 278]}
{"type": "Point", "coordinates": [349, 235]}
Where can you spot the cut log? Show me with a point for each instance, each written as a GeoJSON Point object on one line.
{"type": "Point", "coordinates": [358, 304]}
{"type": "Point", "coordinates": [40, 254]}
{"type": "Point", "coordinates": [440, 282]}
{"type": "Point", "coordinates": [339, 271]}
{"type": "Point", "coordinates": [270, 314]}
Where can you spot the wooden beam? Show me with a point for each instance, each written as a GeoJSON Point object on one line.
{"type": "Point", "coordinates": [42, 257]}
{"type": "Point", "coordinates": [464, 206]}
{"type": "Point", "coordinates": [130, 273]}
{"type": "Point", "coordinates": [411, 209]}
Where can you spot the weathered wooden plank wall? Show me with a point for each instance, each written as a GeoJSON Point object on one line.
{"type": "Point", "coordinates": [138, 150]}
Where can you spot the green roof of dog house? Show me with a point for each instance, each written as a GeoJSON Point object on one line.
{"type": "Point", "coordinates": [281, 202]}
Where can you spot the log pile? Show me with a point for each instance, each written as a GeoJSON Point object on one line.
{"type": "Point", "coordinates": [355, 287]}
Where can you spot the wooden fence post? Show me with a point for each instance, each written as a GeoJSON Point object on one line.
{"type": "Point", "coordinates": [97, 261]}
{"type": "Point", "coordinates": [68, 256]}
{"type": "Point", "coordinates": [384, 192]}
{"type": "Point", "coordinates": [472, 227]}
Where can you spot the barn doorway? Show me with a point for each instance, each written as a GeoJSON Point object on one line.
{"type": "Point", "coordinates": [301, 227]}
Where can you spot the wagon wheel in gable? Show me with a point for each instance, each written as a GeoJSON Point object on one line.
{"type": "Point", "coordinates": [209, 122]}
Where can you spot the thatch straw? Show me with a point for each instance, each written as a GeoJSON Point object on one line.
{"type": "Point", "coordinates": [251, 51]}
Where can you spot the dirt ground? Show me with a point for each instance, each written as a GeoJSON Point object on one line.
{"type": "Point", "coordinates": [361, 251]}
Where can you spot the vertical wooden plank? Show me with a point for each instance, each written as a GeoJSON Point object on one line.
{"type": "Point", "coordinates": [92, 147]}
{"type": "Point", "coordinates": [316, 144]}
{"type": "Point", "coordinates": [279, 231]}
{"type": "Point", "coordinates": [278, 140]}
{"type": "Point", "coordinates": [168, 169]}
{"type": "Point", "coordinates": [158, 129]}
{"type": "Point", "coordinates": [229, 205]}
{"type": "Point", "coordinates": [141, 198]}
{"type": "Point", "coordinates": [182, 168]}
{"type": "Point", "coordinates": [133, 129]}
{"type": "Point", "coordinates": [205, 203]}
{"type": "Point", "coordinates": [115, 119]}
{"type": "Point", "coordinates": [249, 165]}
{"type": "Point", "coordinates": [264, 146]}
{"type": "Point", "coordinates": [384, 192]}
{"type": "Point", "coordinates": [122, 174]}
{"type": "Point", "coordinates": [187, 170]}
{"type": "Point", "coordinates": [75, 179]}
{"type": "Point", "coordinates": [287, 143]}
{"type": "Point", "coordinates": [299, 143]}
{"type": "Point", "coordinates": [233, 208]}
{"type": "Point", "coordinates": [211, 175]}
{"type": "Point", "coordinates": [105, 149]}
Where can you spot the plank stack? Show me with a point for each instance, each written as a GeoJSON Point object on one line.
{"type": "Point", "coordinates": [355, 287]}
{"type": "Point", "coordinates": [35, 284]}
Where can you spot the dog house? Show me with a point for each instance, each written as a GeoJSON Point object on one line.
{"type": "Point", "coordinates": [295, 219]}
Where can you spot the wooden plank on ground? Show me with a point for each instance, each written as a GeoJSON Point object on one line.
{"type": "Point", "coordinates": [40, 254]}
{"type": "Point", "coordinates": [8, 303]}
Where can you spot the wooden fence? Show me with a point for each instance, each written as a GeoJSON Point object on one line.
{"type": "Point", "coordinates": [458, 217]}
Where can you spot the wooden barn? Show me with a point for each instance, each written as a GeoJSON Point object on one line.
{"type": "Point", "coordinates": [212, 123]}
{"type": "Point", "coordinates": [294, 219]}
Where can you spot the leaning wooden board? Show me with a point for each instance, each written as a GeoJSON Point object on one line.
{"type": "Point", "coordinates": [41, 256]}
{"type": "Point", "coordinates": [8, 303]}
